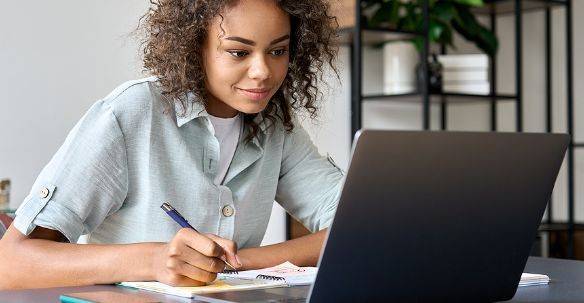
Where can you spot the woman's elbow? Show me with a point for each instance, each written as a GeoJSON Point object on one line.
{"type": "Point", "coordinates": [12, 267]}
{"type": "Point", "coordinates": [8, 266]}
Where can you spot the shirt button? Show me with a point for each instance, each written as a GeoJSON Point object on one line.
{"type": "Point", "coordinates": [44, 192]}
{"type": "Point", "coordinates": [227, 211]}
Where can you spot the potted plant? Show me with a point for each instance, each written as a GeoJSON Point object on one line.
{"type": "Point", "coordinates": [444, 17]}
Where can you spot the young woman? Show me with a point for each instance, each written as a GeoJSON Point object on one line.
{"type": "Point", "coordinates": [213, 132]}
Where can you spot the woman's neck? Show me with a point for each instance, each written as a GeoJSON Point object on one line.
{"type": "Point", "coordinates": [220, 109]}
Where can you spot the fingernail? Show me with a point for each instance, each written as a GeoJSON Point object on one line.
{"type": "Point", "coordinates": [238, 261]}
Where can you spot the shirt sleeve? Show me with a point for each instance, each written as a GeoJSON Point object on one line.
{"type": "Point", "coordinates": [309, 184]}
{"type": "Point", "coordinates": [85, 181]}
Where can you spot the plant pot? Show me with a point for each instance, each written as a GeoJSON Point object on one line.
{"type": "Point", "coordinates": [399, 67]}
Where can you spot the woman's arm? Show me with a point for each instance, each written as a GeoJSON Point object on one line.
{"type": "Point", "coordinates": [303, 251]}
{"type": "Point", "coordinates": [42, 259]}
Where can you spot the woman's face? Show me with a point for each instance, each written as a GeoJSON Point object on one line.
{"type": "Point", "coordinates": [247, 63]}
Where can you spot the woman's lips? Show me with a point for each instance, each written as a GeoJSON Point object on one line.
{"type": "Point", "coordinates": [254, 94]}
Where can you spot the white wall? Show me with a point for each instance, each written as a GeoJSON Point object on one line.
{"type": "Point", "coordinates": [57, 58]}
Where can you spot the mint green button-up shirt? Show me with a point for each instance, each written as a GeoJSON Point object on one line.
{"type": "Point", "coordinates": [126, 157]}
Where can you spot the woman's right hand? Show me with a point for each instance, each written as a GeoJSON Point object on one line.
{"type": "Point", "coordinates": [193, 259]}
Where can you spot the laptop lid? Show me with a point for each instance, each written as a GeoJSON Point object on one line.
{"type": "Point", "coordinates": [437, 216]}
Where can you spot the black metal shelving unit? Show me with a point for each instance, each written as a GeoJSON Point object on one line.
{"type": "Point", "coordinates": [359, 35]}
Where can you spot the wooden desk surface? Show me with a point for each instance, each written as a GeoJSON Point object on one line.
{"type": "Point", "coordinates": [567, 286]}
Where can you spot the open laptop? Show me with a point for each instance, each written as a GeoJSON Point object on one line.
{"type": "Point", "coordinates": [431, 216]}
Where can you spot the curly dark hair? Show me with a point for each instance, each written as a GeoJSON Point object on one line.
{"type": "Point", "coordinates": [172, 48]}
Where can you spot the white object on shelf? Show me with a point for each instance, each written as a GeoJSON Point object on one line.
{"type": "Point", "coordinates": [398, 88]}
{"type": "Point", "coordinates": [456, 75]}
{"type": "Point", "coordinates": [468, 61]}
{"type": "Point", "coordinates": [480, 88]}
{"type": "Point", "coordinates": [399, 67]}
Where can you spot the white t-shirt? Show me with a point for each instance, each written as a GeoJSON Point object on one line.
{"type": "Point", "coordinates": [227, 131]}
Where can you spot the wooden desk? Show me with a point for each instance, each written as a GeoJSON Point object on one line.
{"type": "Point", "coordinates": [567, 279]}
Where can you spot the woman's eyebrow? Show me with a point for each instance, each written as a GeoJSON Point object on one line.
{"type": "Point", "coordinates": [285, 37]}
{"type": "Point", "coordinates": [252, 43]}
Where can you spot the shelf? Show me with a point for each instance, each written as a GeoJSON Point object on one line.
{"type": "Point", "coordinates": [372, 36]}
{"type": "Point", "coordinates": [558, 226]}
{"type": "Point", "coordinates": [416, 96]}
{"type": "Point", "coordinates": [476, 96]}
{"type": "Point", "coordinates": [508, 6]}
{"type": "Point", "coordinates": [416, 99]}
{"type": "Point", "coordinates": [390, 96]}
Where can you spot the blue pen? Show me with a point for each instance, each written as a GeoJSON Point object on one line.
{"type": "Point", "coordinates": [178, 218]}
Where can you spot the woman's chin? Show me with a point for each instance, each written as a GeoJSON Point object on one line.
{"type": "Point", "coordinates": [255, 108]}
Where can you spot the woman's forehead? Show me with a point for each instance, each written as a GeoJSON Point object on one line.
{"type": "Point", "coordinates": [262, 19]}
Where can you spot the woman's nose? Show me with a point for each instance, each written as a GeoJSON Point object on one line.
{"type": "Point", "coordinates": [259, 69]}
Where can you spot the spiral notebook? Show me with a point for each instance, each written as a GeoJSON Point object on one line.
{"type": "Point", "coordinates": [283, 275]}
{"type": "Point", "coordinates": [287, 272]}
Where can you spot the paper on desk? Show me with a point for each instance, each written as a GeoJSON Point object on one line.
{"type": "Point", "coordinates": [292, 274]}
{"type": "Point", "coordinates": [528, 279]}
{"type": "Point", "coordinates": [222, 284]}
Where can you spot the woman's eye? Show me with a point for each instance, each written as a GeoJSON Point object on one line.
{"type": "Point", "coordinates": [238, 53]}
{"type": "Point", "coordinates": [279, 52]}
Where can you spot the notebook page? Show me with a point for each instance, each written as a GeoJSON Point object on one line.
{"type": "Point", "coordinates": [222, 284]}
{"type": "Point", "coordinates": [528, 279]}
{"type": "Point", "coordinates": [292, 274]}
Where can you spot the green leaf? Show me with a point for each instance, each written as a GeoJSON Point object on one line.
{"type": "Point", "coordinates": [445, 17]}
{"type": "Point", "coordinates": [439, 32]}
{"type": "Point", "coordinates": [382, 15]}
{"type": "Point", "coordinates": [435, 30]}
{"type": "Point", "coordinates": [386, 13]}
{"type": "Point", "coordinates": [418, 43]}
{"type": "Point", "coordinates": [488, 41]}
{"type": "Point", "coordinates": [469, 2]}
{"type": "Point", "coordinates": [410, 20]}
{"type": "Point", "coordinates": [444, 11]}
{"type": "Point", "coordinates": [395, 8]}
{"type": "Point", "coordinates": [467, 25]}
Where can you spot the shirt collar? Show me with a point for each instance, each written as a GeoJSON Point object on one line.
{"type": "Point", "coordinates": [261, 122]}
{"type": "Point", "coordinates": [193, 109]}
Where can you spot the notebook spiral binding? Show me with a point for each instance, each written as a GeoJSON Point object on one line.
{"type": "Point", "coordinates": [230, 271]}
{"type": "Point", "coordinates": [268, 277]}
{"type": "Point", "coordinates": [263, 277]}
